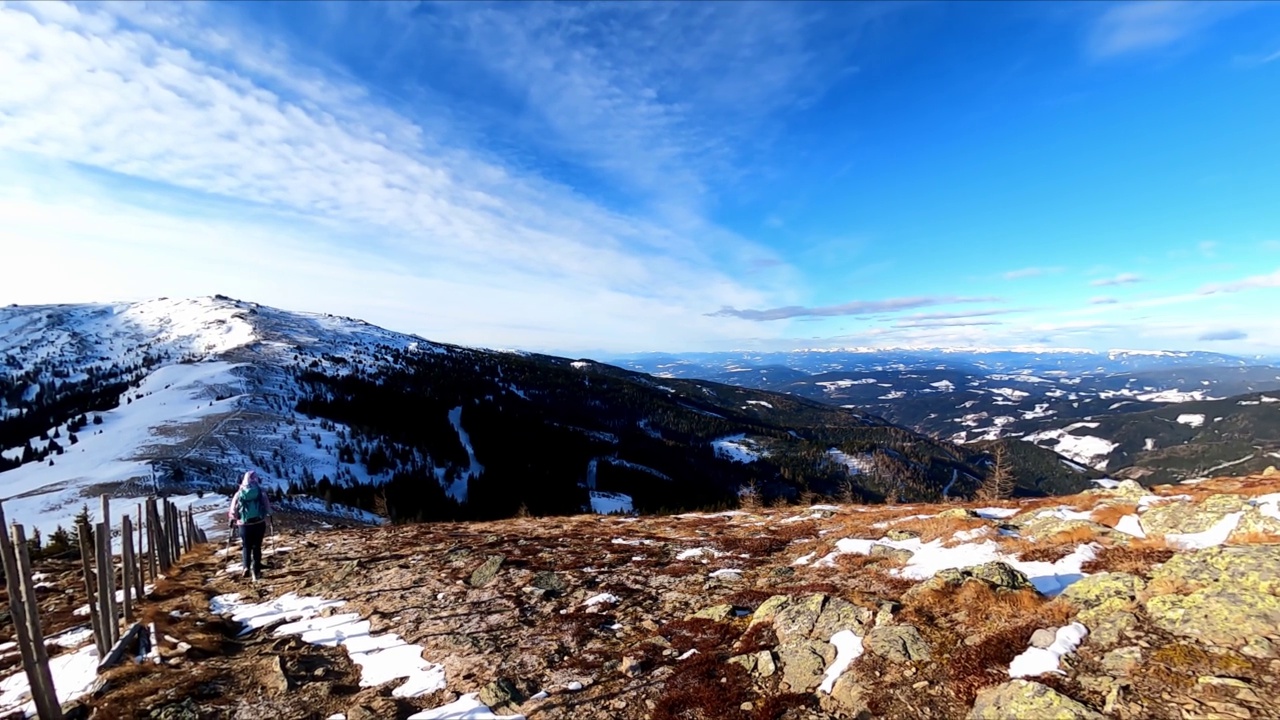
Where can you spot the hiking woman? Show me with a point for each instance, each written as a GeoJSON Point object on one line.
{"type": "Point", "coordinates": [250, 508]}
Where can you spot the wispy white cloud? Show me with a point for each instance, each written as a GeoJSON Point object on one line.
{"type": "Point", "coordinates": [1121, 279]}
{"type": "Point", "coordinates": [1101, 300]}
{"type": "Point", "coordinates": [853, 309]}
{"type": "Point", "coordinates": [1255, 282]}
{"type": "Point", "coordinates": [1223, 335]}
{"type": "Point", "coordinates": [1145, 25]}
{"type": "Point", "coordinates": [151, 98]}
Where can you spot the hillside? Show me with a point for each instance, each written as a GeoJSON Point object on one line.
{"type": "Point", "coordinates": [1118, 603]}
{"type": "Point", "coordinates": [1237, 435]}
{"type": "Point", "coordinates": [180, 396]}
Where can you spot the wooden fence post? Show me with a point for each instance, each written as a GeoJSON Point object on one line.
{"type": "Point", "coordinates": [142, 553]}
{"type": "Point", "coordinates": [126, 567]}
{"type": "Point", "coordinates": [175, 531]}
{"type": "Point", "coordinates": [39, 680]}
{"type": "Point", "coordinates": [91, 587]}
{"type": "Point", "coordinates": [106, 585]}
{"type": "Point", "coordinates": [159, 542]}
{"type": "Point", "coordinates": [48, 705]}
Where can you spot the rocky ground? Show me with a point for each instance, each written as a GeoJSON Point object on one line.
{"type": "Point", "coordinates": [751, 615]}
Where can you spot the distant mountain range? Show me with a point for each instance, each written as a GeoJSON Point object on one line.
{"type": "Point", "coordinates": [181, 396]}
{"type": "Point", "coordinates": [1069, 400]}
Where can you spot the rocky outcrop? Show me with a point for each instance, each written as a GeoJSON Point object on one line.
{"type": "Point", "coordinates": [898, 643]}
{"type": "Point", "coordinates": [804, 627]}
{"type": "Point", "coordinates": [1000, 576]}
{"type": "Point", "coordinates": [1021, 699]}
{"type": "Point", "coordinates": [1181, 517]}
{"type": "Point", "coordinates": [1231, 598]}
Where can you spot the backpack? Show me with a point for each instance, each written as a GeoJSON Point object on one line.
{"type": "Point", "coordinates": [251, 504]}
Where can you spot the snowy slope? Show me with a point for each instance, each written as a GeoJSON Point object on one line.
{"type": "Point", "coordinates": [214, 395]}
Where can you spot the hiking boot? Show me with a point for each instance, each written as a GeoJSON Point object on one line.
{"type": "Point", "coordinates": [245, 574]}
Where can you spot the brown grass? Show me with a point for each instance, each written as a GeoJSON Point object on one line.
{"type": "Point", "coordinates": [986, 610]}
{"type": "Point", "coordinates": [791, 532]}
{"type": "Point", "coordinates": [1168, 585]}
{"type": "Point", "coordinates": [1049, 549]}
{"type": "Point", "coordinates": [703, 688]}
{"type": "Point", "coordinates": [1134, 559]}
{"type": "Point", "coordinates": [853, 562]}
{"type": "Point", "coordinates": [1110, 515]}
{"type": "Point", "coordinates": [1255, 538]}
{"type": "Point", "coordinates": [936, 528]}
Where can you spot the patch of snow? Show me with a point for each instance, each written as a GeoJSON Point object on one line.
{"type": "Point", "coordinates": [1194, 420]}
{"type": "Point", "coordinates": [760, 402]}
{"type": "Point", "coordinates": [848, 649]}
{"type": "Point", "coordinates": [1107, 483]}
{"type": "Point", "coordinates": [996, 513]}
{"type": "Point", "coordinates": [467, 707]}
{"type": "Point", "coordinates": [1268, 505]}
{"type": "Point", "coordinates": [856, 465]}
{"type": "Point", "coordinates": [893, 395]}
{"type": "Point", "coordinates": [727, 573]}
{"type": "Point", "coordinates": [804, 559]}
{"type": "Point", "coordinates": [944, 385]}
{"type": "Point", "coordinates": [458, 488]}
{"type": "Point", "coordinates": [609, 503]}
{"type": "Point", "coordinates": [736, 448]}
{"type": "Point", "coordinates": [601, 599]}
{"type": "Point", "coordinates": [1214, 536]}
{"type": "Point", "coordinates": [1042, 661]}
{"type": "Point", "coordinates": [1131, 525]}
{"type": "Point", "coordinates": [382, 658]}
{"type": "Point", "coordinates": [1085, 449]}
{"type": "Point", "coordinates": [1176, 396]}
{"type": "Point", "coordinates": [1011, 393]}
{"type": "Point", "coordinates": [1149, 444]}
{"type": "Point", "coordinates": [698, 553]}
{"type": "Point", "coordinates": [74, 674]}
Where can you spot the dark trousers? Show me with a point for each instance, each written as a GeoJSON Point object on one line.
{"type": "Point", "coordinates": [251, 535]}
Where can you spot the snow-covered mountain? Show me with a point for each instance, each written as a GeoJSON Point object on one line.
{"type": "Point", "coordinates": [200, 384]}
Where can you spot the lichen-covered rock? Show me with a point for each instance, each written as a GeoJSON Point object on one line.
{"type": "Point", "coordinates": [1039, 528]}
{"type": "Point", "coordinates": [1094, 590]}
{"type": "Point", "coordinates": [758, 663]}
{"type": "Point", "coordinates": [998, 575]}
{"type": "Point", "coordinates": [803, 662]}
{"type": "Point", "coordinates": [1021, 699]}
{"type": "Point", "coordinates": [715, 612]}
{"type": "Point", "coordinates": [1233, 600]}
{"type": "Point", "coordinates": [898, 554]}
{"type": "Point", "coordinates": [898, 643]}
{"type": "Point", "coordinates": [901, 535]}
{"type": "Point", "coordinates": [819, 617]}
{"type": "Point", "coordinates": [847, 698]}
{"type": "Point", "coordinates": [1189, 517]}
{"type": "Point", "coordinates": [1122, 661]}
{"type": "Point", "coordinates": [769, 609]}
{"type": "Point", "coordinates": [1110, 630]}
{"type": "Point", "coordinates": [1254, 522]}
{"type": "Point", "coordinates": [960, 513]}
{"type": "Point", "coordinates": [485, 574]}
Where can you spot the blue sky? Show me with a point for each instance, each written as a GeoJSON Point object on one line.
{"type": "Point", "coordinates": [598, 178]}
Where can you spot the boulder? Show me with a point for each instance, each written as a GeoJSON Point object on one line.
{"type": "Point", "coordinates": [715, 612]}
{"type": "Point", "coordinates": [898, 554]}
{"type": "Point", "coordinates": [898, 643]}
{"type": "Point", "coordinates": [760, 664]}
{"type": "Point", "coordinates": [1254, 522]}
{"type": "Point", "coordinates": [804, 627]}
{"type": "Point", "coordinates": [1189, 517]}
{"type": "Point", "coordinates": [1092, 591]}
{"type": "Point", "coordinates": [502, 696]}
{"type": "Point", "coordinates": [900, 535]}
{"type": "Point", "coordinates": [1043, 638]}
{"type": "Point", "coordinates": [998, 575]}
{"type": "Point", "coordinates": [959, 513]}
{"type": "Point", "coordinates": [769, 609]}
{"type": "Point", "coordinates": [485, 574]}
{"type": "Point", "coordinates": [803, 662]}
{"type": "Point", "coordinates": [1020, 699]}
{"type": "Point", "coordinates": [550, 582]}
{"type": "Point", "coordinates": [1234, 595]}
{"type": "Point", "coordinates": [1039, 528]}
{"type": "Point", "coordinates": [1122, 661]}
{"type": "Point", "coordinates": [1270, 471]}
{"type": "Point", "coordinates": [847, 699]}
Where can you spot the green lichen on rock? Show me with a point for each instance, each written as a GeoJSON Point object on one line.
{"type": "Point", "coordinates": [1021, 699]}
{"type": "Point", "coordinates": [1234, 597]}
{"type": "Point", "coordinates": [1254, 522]}
{"type": "Point", "coordinates": [961, 513]}
{"type": "Point", "coordinates": [898, 643]}
{"type": "Point", "coordinates": [999, 576]}
{"type": "Point", "coordinates": [1186, 517]}
{"type": "Point", "coordinates": [1094, 590]}
{"type": "Point", "coordinates": [769, 608]}
{"type": "Point", "coordinates": [901, 535]}
{"type": "Point", "coordinates": [715, 612]}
